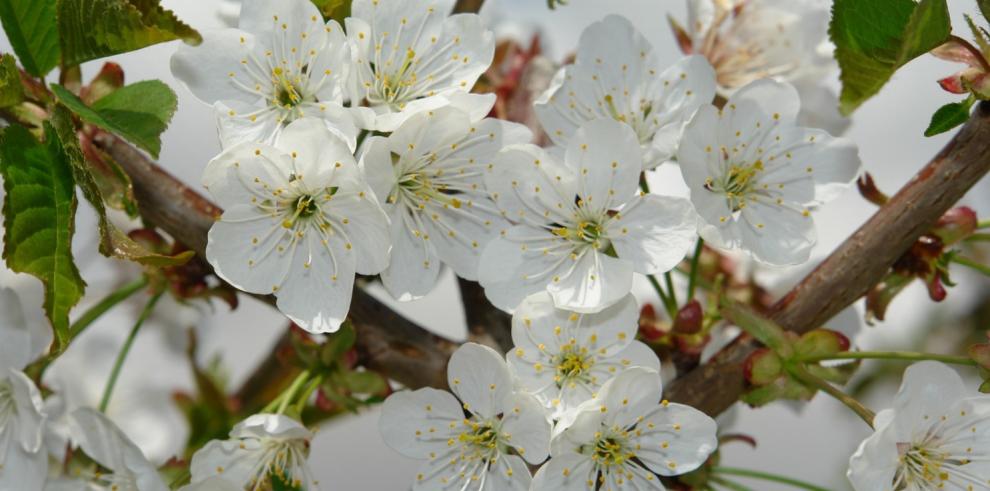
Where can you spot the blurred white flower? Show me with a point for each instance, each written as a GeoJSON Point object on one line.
{"type": "Point", "coordinates": [412, 56]}
{"type": "Point", "coordinates": [23, 460]}
{"type": "Point", "coordinates": [125, 467]}
{"type": "Point", "coordinates": [299, 221]}
{"type": "Point", "coordinates": [564, 358]}
{"type": "Point", "coordinates": [934, 437]}
{"type": "Point", "coordinates": [281, 64]}
{"type": "Point", "coordinates": [212, 484]}
{"type": "Point", "coordinates": [481, 451]}
{"type": "Point", "coordinates": [626, 436]}
{"type": "Point", "coordinates": [617, 75]}
{"type": "Point", "coordinates": [754, 175]}
{"type": "Point", "coordinates": [581, 230]}
{"type": "Point", "coordinates": [787, 40]}
{"type": "Point", "coordinates": [428, 175]}
{"type": "Point", "coordinates": [263, 448]}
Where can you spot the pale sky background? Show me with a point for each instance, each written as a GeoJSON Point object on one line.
{"type": "Point", "coordinates": [348, 454]}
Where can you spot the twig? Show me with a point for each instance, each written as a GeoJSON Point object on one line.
{"type": "Point", "coordinates": [858, 264]}
{"type": "Point", "coordinates": [468, 6]}
{"type": "Point", "coordinates": [486, 323]}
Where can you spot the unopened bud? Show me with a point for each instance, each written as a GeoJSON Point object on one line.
{"type": "Point", "coordinates": [955, 225]}
{"type": "Point", "coordinates": [762, 367]}
{"type": "Point", "coordinates": [689, 318]}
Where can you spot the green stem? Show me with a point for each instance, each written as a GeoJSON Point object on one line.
{"type": "Point", "coordinates": [970, 263]}
{"type": "Point", "coordinates": [725, 483]}
{"type": "Point", "coordinates": [812, 380]}
{"type": "Point", "coordinates": [693, 275]}
{"type": "Point", "coordinates": [289, 395]}
{"type": "Point", "coordinates": [107, 303]}
{"type": "Point", "coordinates": [699, 281]}
{"type": "Point", "coordinates": [670, 307]}
{"type": "Point", "coordinates": [125, 349]}
{"type": "Point", "coordinates": [308, 391]}
{"type": "Point", "coordinates": [892, 355]}
{"type": "Point", "coordinates": [735, 471]}
{"type": "Point", "coordinates": [669, 280]}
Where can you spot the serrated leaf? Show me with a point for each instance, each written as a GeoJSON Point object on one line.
{"type": "Point", "coordinates": [139, 112]}
{"type": "Point", "coordinates": [949, 116]}
{"type": "Point", "coordinates": [90, 29]}
{"type": "Point", "coordinates": [11, 91]}
{"type": "Point", "coordinates": [39, 215]}
{"type": "Point", "coordinates": [31, 30]}
{"type": "Point", "coordinates": [113, 242]}
{"type": "Point", "coordinates": [873, 38]}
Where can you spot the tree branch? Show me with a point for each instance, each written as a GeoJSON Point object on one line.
{"type": "Point", "coordinates": [468, 6]}
{"type": "Point", "coordinates": [485, 322]}
{"type": "Point", "coordinates": [858, 264]}
{"type": "Point", "coordinates": [387, 342]}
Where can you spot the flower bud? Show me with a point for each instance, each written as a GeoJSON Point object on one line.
{"type": "Point", "coordinates": [689, 318]}
{"type": "Point", "coordinates": [763, 367]}
{"type": "Point", "coordinates": [955, 225]}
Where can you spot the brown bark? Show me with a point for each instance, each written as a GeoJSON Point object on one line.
{"type": "Point", "coordinates": [859, 263]}
{"type": "Point", "coordinates": [468, 6]}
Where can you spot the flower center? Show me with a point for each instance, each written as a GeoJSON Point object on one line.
{"type": "Point", "coordinates": [392, 87]}
{"type": "Point", "coordinates": [572, 363]}
{"type": "Point", "coordinates": [585, 231]}
{"type": "Point", "coordinates": [610, 448]}
{"type": "Point", "coordinates": [639, 121]}
{"type": "Point", "coordinates": [736, 184]}
{"type": "Point", "coordinates": [419, 187]}
{"type": "Point", "coordinates": [480, 440]}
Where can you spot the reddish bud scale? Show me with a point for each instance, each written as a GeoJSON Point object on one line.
{"type": "Point", "coordinates": [689, 318]}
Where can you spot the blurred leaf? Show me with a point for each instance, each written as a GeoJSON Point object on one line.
{"type": "Point", "coordinates": [11, 91]}
{"type": "Point", "coordinates": [30, 28]}
{"type": "Point", "coordinates": [338, 343]}
{"type": "Point", "coordinates": [139, 112]}
{"type": "Point", "coordinates": [763, 367]}
{"type": "Point", "coordinates": [364, 382]}
{"type": "Point", "coordinates": [984, 8]}
{"type": "Point", "coordinates": [782, 388]}
{"type": "Point", "coordinates": [873, 38]}
{"type": "Point", "coordinates": [110, 78]}
{"type": "Point", "coordinates": [115, 185]}
{"type": "Point", "coordinates": [764, 330]}
{"type": "Point", "coordinates": [39, 215]}
{"type": "Point", "coordinates": [113, 242]}
{"type": "Point", "coordinates": [949, 116]}
{"type": "Point", "coordinates": [90, 29]}
{"type": "Point", "coordinates": [337, 10]}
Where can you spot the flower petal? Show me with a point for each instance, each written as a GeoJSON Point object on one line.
{"type": "Point", "coordinates": [418, 423]}
{"type": "Point", "coordinates": [595, 282]}
{"type": "Point", "coordinates": [675, 439]}
{"type": "Point", "coordinates": [654, 232]}
{"type": "Point", "coordinates": [478, 376]}
{"type": "Point", "coordinates": [605, 156]}
{"type": "Point", "coordinates": [527, 428]}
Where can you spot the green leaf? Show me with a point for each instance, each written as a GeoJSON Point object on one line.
{"type": "Point", "coordinates": [139, 112]}
{"type": "Point", "coordinates": [11, 91]}
{"type": "Point", "coordinates": [113, 242]}
{"type": "Point", "coordinates": [39, 214]}
{"type": "Point", "coordinates": [364, 382]}
{"type": "Point", "coordinates": [873, 38]}
{"type": "Point", "coordinates": [90, 29]}
{"type": "Point", "coordinates": [949, 116]}
{"type": "Point", "coordinates": [764, 330]}
{"type": "Point", "coordinates": [984, 8]}
{"type": "Point", "coordinates": [337, 10]}
{"type": "Point", "coordinates": [30, 27]}
{"type": "Point", "coordinates": [338, 343]}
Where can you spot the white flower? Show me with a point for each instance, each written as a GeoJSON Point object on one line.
{"type": "Point", "coordinates": [625, 436]}
{"type": "Point", "coordinates": [581, 230]}
{"type": "Point", "coordinates": [564, 358]}
{"type": "Point", "coordinates": [935, 437]}
{"type": "Point", "coordinates": [412, 56]}
{"type": "Point", "coordinates": [212, 484]}
{"type": "Point", "coordinates": [429, 177]}
{"type": "Point", "coordinates": [281, 64]}
{"type": "Point", "coordinates": [617, 75]}
{"type": "Point", "coordinates": [746, 40]}
{"type": "Point", "coordinates": [261, 449]}
{"type": "Point", "coordinates": [469, 452]}
{"type": "Point", "coordinates": [23, 460]}
{"type": "Point", "coordinates": [125, 467]}
{"type": "Point", "coordinates": [299, 222]}
{"type": "Point", "coordinates": [754, 175]}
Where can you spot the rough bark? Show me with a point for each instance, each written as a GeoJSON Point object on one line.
{"type": "Point", "coordinates": [859, 263]}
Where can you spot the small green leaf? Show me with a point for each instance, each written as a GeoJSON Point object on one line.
{"type": "Point", "coordinates": [90, 29]}
{"type": "Point", "coordinates": [764, 330]}
{"type": "Point", "coordinates": [30, 27]}
{"type": "Point", "coordinates": [11, 91]}
{"type": "Point", "coordinates": [873, 38]}
{"type": "Point", "coordinates": [39, 214]}
{"type": "Point", "coordinates": [337, 10]}
{"type": "Point", "coordinates": [949, 116]}
{"type": "Point", "coordinates": [139, 112]}
{"type": "Point", "coordinates": [364, 382]}
{"type": "Point", "coordinates": [984, 8]}
{"type": "Point", "coordinates": [113, 242]}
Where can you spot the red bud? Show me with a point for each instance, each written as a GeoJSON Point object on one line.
{"type": "Point", "coordinates": [955, 225]}
{"type": "Point", "coordinates": [689, 318]}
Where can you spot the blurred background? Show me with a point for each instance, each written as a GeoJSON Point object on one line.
{"type": "Point", "coordinates": [812, 441]}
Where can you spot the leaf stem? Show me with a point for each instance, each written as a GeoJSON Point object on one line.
{"type": "Point", "coordinates": [125, 349]}
{"type": "Point", "coordinates": [669, 280]}
{"type": "Point", "coordinates": [670, 307]}
{"type": "Point", "coordinates": [766, 476]}
{"type": "Point", "coordinates": [891, 355]}
{"type": "Point", "coordinates": [286, 397]}
{"type": "Point", "coordinates": [970, 263]}
{"type": "Point", "coordinates": [693, 275]}
{"type": "Point", "coordinates": [108, 302]}
{"type": "Point", "coordinates": [308, 391]}
{"type": "Point", "coordinates": [806, 377]}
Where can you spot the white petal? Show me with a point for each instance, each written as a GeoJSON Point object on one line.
{"type": "Point", "coordinates": [212, 484]}
{"type": "Point", "coordinates": [377, 169]}
{"type": "Point", "coordinates": [316, 292]}
{"type": "Point", "coordinates": [508, 272]}
{"type": "Point", "coordinates": [241, 249]}
{"type": "Point", "coordinates": [243, 171]}
{"type": "Point", "coordinates": [874, 464]}
{"type": "Point", "coordinates": [530, 186]}
{"type": "Point", "coordinates": [509, 473]}
{"type": "Point", "coordinates": [417, 423]}
{"type": "Point", "coordinates": [772, 96]}
{"type": "Point", "coordinates": [774, 234]}
{"type": "Point", "coordinates": [413, 267]}
{"type": "Point", "coordinates": [605, 156]}
{"type": "Point", "coordinates": [629, 395]}
{"type": "Point", "coordinates": [596, 282]}
{"type": "Point", "coordinates": [571, 471]}
{"type": "Point", "coordinates": [273, 426]}
{"type": "Point", "coordinates": [479, 377]}
{"type": "Point", "coordinates": [20, 469]}
{"type": "Point", "coordinates": [654, 233]}
{"type": "Point", "coordinates": [242, 122]}
{"type": "Point", "coordinates": [267, 16]}
{"type": "Point", "coordinates": [689, 435]}
{"type": "Point", "coordinates": [206, 69]}
{"type": "Point", "coordinates": [15, 339]}
{"type": "Point", "coordinates": [27, 410]}
{"type": "Point", "coordinates": [925, 390]}
{"type": "Point", "coordinates": [236, 461]}
{"type": "Point", "coordinates": [366, 226]}
{"type": "Point", "coordinates": [108, 446]}
{"type": "Point", "coordinates": [526, 423]}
